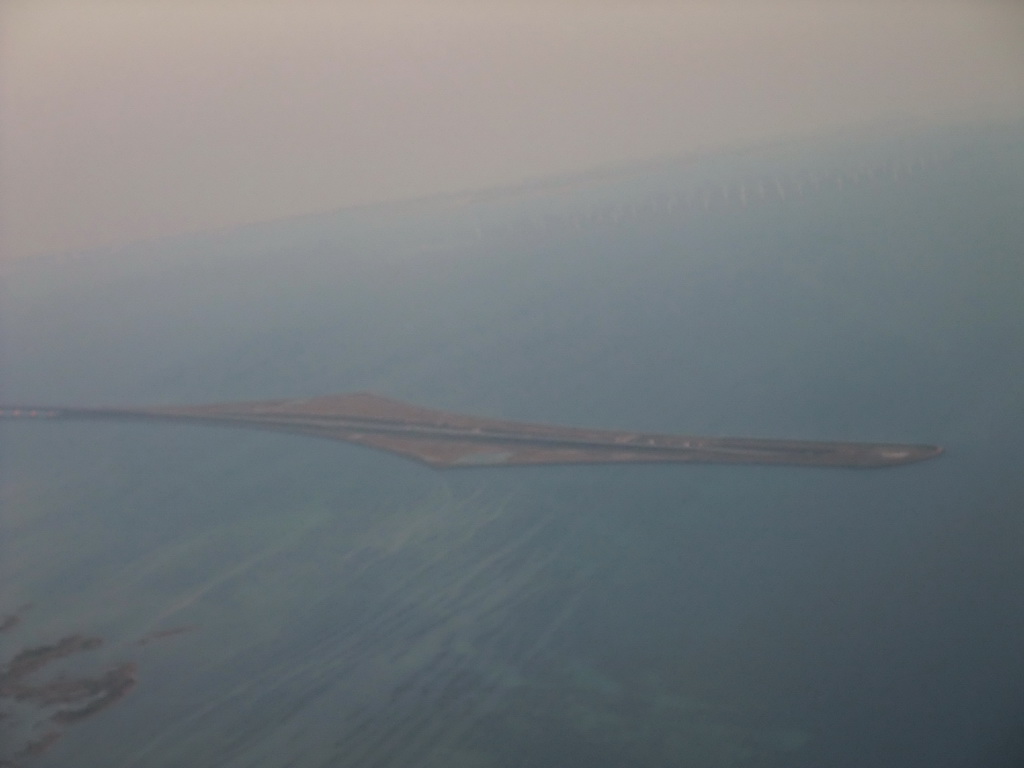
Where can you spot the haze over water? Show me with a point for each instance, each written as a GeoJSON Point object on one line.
{"type": "Point", "coordinates": [352, 608]}
{"type": "Point", "coordinates": [780, 219]}
{"type": "Point", "coordinates": [125, 121]}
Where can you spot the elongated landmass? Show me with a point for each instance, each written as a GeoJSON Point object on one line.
{"type": "Point", "coordinates": [441, 439]}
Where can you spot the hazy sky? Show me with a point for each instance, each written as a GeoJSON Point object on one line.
{"type": "Point", "coordinates": [126, 120]}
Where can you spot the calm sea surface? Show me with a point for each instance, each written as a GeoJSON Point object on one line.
{"type": "Point", "coordinates": [348, 608]}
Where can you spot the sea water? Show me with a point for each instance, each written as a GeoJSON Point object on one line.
{"type": "Point", "coordinates": [347, 607]}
